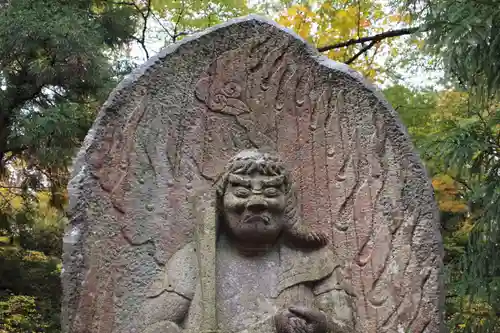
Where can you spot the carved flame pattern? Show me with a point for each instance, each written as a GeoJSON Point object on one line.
{"type": "Point", "coordinates": [352, 179]}
{"type": "Point", "coordinates": [357, 179]}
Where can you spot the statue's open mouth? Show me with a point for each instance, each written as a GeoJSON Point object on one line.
{"type": "Point", "coordinates": [257, 218]}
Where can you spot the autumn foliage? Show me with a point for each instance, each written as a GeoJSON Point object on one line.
{"type": "Point", "coordinates": [59, 60]}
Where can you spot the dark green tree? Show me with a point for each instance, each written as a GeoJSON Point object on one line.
{"type": "Point", "coordinates": [58, 62]}
{"type": "Point", "coordinates": [465, 36]}
{"type": "Point", "coordinates": [55, 70]}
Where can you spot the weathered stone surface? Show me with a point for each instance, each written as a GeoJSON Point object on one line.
{"type": "Point", "coordinates": [175, 123]}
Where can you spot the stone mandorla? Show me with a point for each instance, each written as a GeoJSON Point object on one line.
{"type": "Point", "coordinates": [239, 182]}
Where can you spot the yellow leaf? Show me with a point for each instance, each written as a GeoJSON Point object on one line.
{"type": "Point", "coordinates": [406, 18]}
{"type": "Point", "coordinates": [324, 39]}
{"type": "Point", "coordinates": [302, 8]}
{"type": "Point", "coordinates": [292, 11]}
{"type": "Point", "coordinates": [395, 18]}
{"type": "Point", "coordinates": [420, 43]}
{"type": "Point", "coordinates": [297, 21]}
{"type": "Point", "coordinates": [341, 14]}
{"type": "Point", "coordinates": [284, 21]}
{"type": "Point", "coordinates": [305, 29]}
{"type": "Point", "coordinates": [326, 6]}
{"type": "Point", "coordinates": [378, 14]}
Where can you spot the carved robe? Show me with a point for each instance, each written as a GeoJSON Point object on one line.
{"type": "Point", "coordinates": [250, 290]}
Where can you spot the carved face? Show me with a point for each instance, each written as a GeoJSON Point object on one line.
{"type": "Point", "coordinates": [253, 207]}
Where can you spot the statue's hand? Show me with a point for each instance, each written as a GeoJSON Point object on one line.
{"type": "Point", "coordinates": [319, 237]}
{"type": "Point", "coordinates": [299, 319]}
{"type": "Point", "coordinates": [286, 322]}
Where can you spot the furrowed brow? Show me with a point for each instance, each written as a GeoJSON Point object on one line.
{"type": "Point", "coordinates": [237, 180]}
{"type": "Point", "coordinates": [275, 181]}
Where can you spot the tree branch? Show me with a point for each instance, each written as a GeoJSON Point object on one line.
{"type": "Point", "coordinates": [124, 3]}
{"type": "Point", "coordinates": [176, 24]}
{"type": "Point", "coordinates": [374, 38]}
{"type": "Point", "coordinates": [14, 150]}
{"type": "Point", "coordinates": [359, 18]}
{"type": "Point", "coordinates": [160, 23]}
{"type": "Point", "coordinates": [360, 52]}
{"type": "Point", "coordinates": [142, 40]}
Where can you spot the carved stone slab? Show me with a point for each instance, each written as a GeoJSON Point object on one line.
{"type": "Point", "coordinates": [177, 120]}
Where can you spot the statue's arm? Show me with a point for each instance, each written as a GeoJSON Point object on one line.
{"type": "Point", "coordinates": [164, 313]}
{"type": "Point", "coordinates": [336, 303]}
{"type": "Point", "coordinates": [169, 298]}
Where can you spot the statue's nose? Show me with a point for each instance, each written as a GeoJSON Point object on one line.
{"type": "Point", "coordinates": [256, 205]}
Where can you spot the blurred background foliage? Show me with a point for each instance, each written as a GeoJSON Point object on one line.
{"type": "Point", "coordinates": [436, 61]}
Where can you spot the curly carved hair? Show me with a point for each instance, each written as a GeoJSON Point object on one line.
{"type": "Point", "coordinates": [267, 164]}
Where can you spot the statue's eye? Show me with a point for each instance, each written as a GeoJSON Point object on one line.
{"type": "Point", "coordinates": [271, 192]}
{"type": "Point", "coordinates": [241, 192]}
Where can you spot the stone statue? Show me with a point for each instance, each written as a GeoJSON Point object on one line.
{"type": "Point", "coordinates": [272, 275]}
{"type": "Point", "coordinates": [158, 241]}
